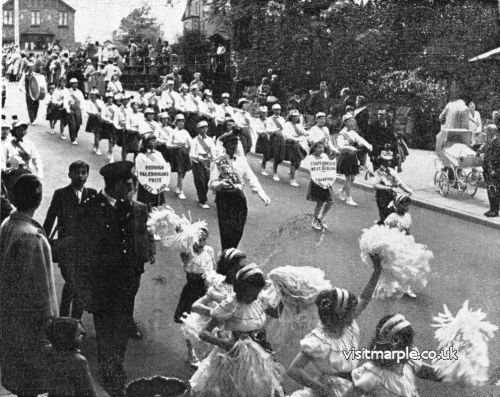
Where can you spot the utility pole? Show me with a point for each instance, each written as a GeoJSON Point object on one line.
{"type": "Point", "coordinates": [17, 40]}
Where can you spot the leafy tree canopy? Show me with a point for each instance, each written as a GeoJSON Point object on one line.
{"type": "Point", "coordinates": [139, 25]}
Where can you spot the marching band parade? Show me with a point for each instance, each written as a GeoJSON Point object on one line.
{"type": "Point", "coordinates": [235, 315]}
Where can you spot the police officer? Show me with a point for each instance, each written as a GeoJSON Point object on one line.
{"type": "Point", "coordinates": [115, 244]}
{"type": "Point", "coordinates": [491, 169]}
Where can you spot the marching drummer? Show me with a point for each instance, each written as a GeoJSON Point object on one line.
{"type": "Point", "coordinates": [31, 103]}
{"type": "Point", "coordinates": [73, 103]}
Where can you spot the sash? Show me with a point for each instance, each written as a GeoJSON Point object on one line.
{"type": "Point", "coordinates": [205, 147]}
{"type": "Point", "coordinates": [277, 123]}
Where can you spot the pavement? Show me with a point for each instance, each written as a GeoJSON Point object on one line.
{"type": "Point", "coordinates": [465, 266]}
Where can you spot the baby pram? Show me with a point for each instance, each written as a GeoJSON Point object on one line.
{"type": "Point", "coordinates": [458, 165]}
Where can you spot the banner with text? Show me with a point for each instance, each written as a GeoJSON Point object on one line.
{"type": "Point", "coordinates": [154, 177]}
{"type": "Point", "coordinates": [323, 172]}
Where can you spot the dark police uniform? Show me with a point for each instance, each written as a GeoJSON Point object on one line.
{"type": "Point", "coordinates": [116, 244]}
{"type": "Point", "coordinates": [491, 165]}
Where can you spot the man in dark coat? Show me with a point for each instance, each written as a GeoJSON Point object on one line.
{"type": "Point", "coordinates": [115, 243]}
{"type": "Point", "coordinates": [491, 169]}
{"type": "Point", "coordinates": [65, 207]}
{"type": "Point", "coordinates": [381, 134]}
{"type": "Point", "coordinates": [320, 101]}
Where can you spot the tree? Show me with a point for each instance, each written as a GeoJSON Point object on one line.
{"type": "Point", "coordinates": [139, 25]}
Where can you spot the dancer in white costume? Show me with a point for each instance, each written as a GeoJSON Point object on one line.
{"type": "Point", "coordinates": [337, 333]}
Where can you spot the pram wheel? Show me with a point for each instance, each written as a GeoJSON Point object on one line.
{"type": "Point", "coordinates": [442, 182]}
{"type": "Point", "coordinates": [472, 181]}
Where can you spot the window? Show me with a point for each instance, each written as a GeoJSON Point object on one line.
{"type": "Point", "coordinates": [63, 18]}
{"type": "Point", "coordinates": [8, 17]}
{"type": "Point", "coordinates": [35, 18]}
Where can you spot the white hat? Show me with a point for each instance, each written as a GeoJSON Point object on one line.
{"type": "Point", "coordinates": [118, 97]}
{"type": "Point", "coordinates": [347, 116]}
{"type": "Point", "coordinates": [184, 85]}
{"type": "Point", "coordinates": [320, 114]}
{"type": "Point", "coordinates": [263, 109]}
{"type": "Point", "coordinates": [180, 116]}
{"type": "Point", "coordinates": [276, 106]}
{"type": "Point", "coordinates": [294, 112]}
{"type": "Point", "coordinates": [208, 92]}
{"type": "Point", "coordinates": [195, 86]}
{"type": "Point", "coordinates": [94, 91]}
{"type": "Point", "coordinates": [163, 115]}
{"type": "Point", "coordinates": [73, 80]}
{"type": "Point", "coordinates": [242, 100]}
{"type": "Point", "coordinates": [225, 95]}
{"type": "Point", "coordinates": [201, 124]}
{"type": "Point", "coordinates": [149, 111]}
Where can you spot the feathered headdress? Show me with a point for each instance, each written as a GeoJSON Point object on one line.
{"type": "Point", "coordinates": [174, 230]}
{"type": "Point", "coordinates": [468, 335]}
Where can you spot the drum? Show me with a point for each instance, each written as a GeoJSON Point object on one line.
{"type": "Point", "coordinates": [38, 87]}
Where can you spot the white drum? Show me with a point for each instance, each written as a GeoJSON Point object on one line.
{"type": "Point", "coordinates": [38, 87]}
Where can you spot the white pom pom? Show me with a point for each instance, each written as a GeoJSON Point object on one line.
{"type": "Point", "coordinates": [468, 335]}
{"type": "Point", "coordinates": [173, 230]}
{"type": "Point", "coordinates": [405, 263]}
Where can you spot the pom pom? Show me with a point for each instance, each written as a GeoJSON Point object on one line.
{"type": "Point", "coordinates": [298, 288]}
{"type": "Point", "coordinates": [405, 263]}
{"type": "Point", "coordinates": [468, 335]}
{"type": "Point", "coordinates": [175, 231]}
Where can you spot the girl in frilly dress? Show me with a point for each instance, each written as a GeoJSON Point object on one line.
{"type": "Point", "coordinates": [242, 365]}
{"type": "Point", "coordinates": [325, 346]}
{"type": "Point", "coordinates": [390, 377]}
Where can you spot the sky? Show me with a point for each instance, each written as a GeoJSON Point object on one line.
{"type": "Point", "coordinates": [98, 18]}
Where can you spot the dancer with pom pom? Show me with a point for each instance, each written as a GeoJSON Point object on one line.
{"type": "Point", "coordinates": [387, 375]}
{"type": "Point", "coordinates": [337, 333]}
{"type": "Point", "coordinates": [405, 263]}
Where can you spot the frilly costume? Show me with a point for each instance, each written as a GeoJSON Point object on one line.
{"type": "Point", "coordinates": [405, 263]}
{"type": "Point", "coordinates": [245, 371]}
{"type": "Point", "coordinates": [327, 356]}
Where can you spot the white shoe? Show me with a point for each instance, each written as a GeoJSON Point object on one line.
{"type": "Point", "coordinates": [294, 183]}
{"type": "Point", "coordinates": [98, 152]}
{"type": "Point", "coordinates": [94, 150]}
{"type": "Point", "coordinates": [351, 202]}
{"type": "Point", "coordinates": [52, 132]}
{"type": "Point", "coordinates": [63, 137]}
{"type": "Point", "coordinates": [263, 172]}
{"type": "Point", "coordinates": [315, 225]}
{"type": "Point", "coordinates": [166, 189]}
{"type": "Point", "coordinates": [205, 206]}
{"type": "Point", "coordinates": [411, 294]}
{"type": "Point", "coordinates": [157, 237]}
{"type": "Point", "coordinates": [342, 195]}
{"type": "Point", "coordinates": [276, 178]}
{"type": "Point", "coordinates": [75, 142]}
{"type": "Point", "coordinates": [182, 196]}
{"type": "Point", "coordinates": [177, 190]}
{"type": "Point", "coordinates": [111, 159]}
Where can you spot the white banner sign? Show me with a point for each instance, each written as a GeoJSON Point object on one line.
{"type": "Point", "coordinates": [154, 177]}
{"type": "Point", "coordinates": [323, 172]}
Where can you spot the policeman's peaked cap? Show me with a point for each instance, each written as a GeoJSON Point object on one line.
{"type": "Point", "coordinates": [120, 170]}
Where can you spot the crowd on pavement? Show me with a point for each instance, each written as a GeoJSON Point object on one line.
{"type": "Point", "coordinates": [104, 238]}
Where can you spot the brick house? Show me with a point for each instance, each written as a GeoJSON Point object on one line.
{"type": "Point", "coordinates": [41, 22]}
{"type": "Point", "coordinates": [198, 17]}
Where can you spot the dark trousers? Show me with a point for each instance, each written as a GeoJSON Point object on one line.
{"type": "Point", "coordinates": [71, 301]}
{"type": "Point", "coordinates": [232, 215]}
{"type": "Point", "coordinates": [112, 330]}
{"type": "Point", "coordinates": [74, 123]}
{"type": "Point", "coordinates": [201, 176]}
{"type": "Point", "coordinates": [494, 197]}
{"type": "Point", "coordinates": [384, 198]}
{"type": "Point", "coordinates": [32, 108]}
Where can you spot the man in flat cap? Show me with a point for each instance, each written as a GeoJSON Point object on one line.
{"type": "Point", "coordinates": [115, 246]}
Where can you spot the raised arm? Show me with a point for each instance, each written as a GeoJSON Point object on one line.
{"type": "Point", "coordinates": [367, 293]}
